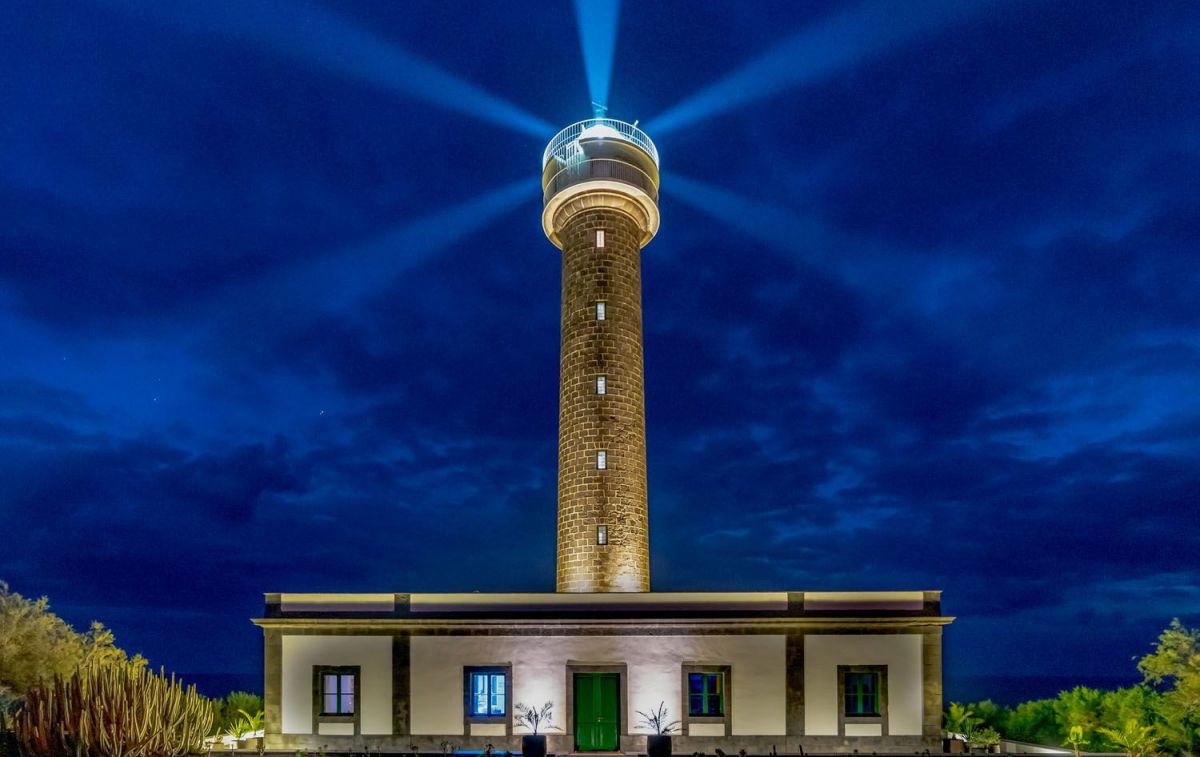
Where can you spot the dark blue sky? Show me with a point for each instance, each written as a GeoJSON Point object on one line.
{"type": "Point", "coordinates": [277, 314]}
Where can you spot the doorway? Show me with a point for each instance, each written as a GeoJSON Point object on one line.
{"type": "Point", "coordinates": [597, 712]}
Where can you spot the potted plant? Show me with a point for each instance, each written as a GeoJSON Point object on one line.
{"type": "Point", "coordinates": [232, 735]}
{"type": "Point", "coordinates": [984, 740]}
{"type": "Point", "coordinates": [658, 745]}
{"type": "Point", "coordinates": [533, 744]}
{"type": "Point", "coordinates": [251, 727]}
{"type": "Point", "coordinates": [960, 723]}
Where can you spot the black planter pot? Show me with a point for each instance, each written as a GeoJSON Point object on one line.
{"type": "Point", "coordinates": [533, 746]}
{"type": "Point", "coordinates": [658, 746]}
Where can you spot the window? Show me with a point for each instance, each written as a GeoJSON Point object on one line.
{"type": "Point", "coordinates": [488, 697]}
{"type": "Point", "coordinates": [706, 695]}
{"type": "Point", "coordinates": [602, 535]}
{"type": "Point", "coordinates": [601, 385]}
{"type": "Point", "coordinates": [599, 237]}
{"type": "Point", "coordinates": [601, 460]}
{"type": "Point", "coordinates": [337, 691]}
{"type": "Point", "coordinates": [704, 701]}
{"type": "Point", "coordinates": [600, 308]}
{"type": "Point", "coordinates": [862, 694]}
{"type": "Point", "coordinates": [485, 692]}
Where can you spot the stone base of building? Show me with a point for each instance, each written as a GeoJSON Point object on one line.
{"type": "Point", "coordinates": [557, 744]}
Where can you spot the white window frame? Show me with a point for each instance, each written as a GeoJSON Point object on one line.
{"type": "Point", "coordinates": [599, 237]}
{"type": "Point", "coordinates": [602, 384]}
{"type": "Point", "coordinates": [602, 460]}
{"type": "Point", "coordinates": [601, 310]}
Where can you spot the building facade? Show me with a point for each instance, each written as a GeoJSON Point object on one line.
{"type": "Point", "coordinates": [760, 671]}
{"type": "Point", "coordinates": [755, 671]}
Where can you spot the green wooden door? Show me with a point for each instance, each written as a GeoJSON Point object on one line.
{"type": "Point", "coordinates": [597, 712]}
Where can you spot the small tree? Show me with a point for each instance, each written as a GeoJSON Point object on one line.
{"type": "Point", "coordinates": [1174, 667]}
{"type": "Point", "coordinates": [1081, 706]}
{"type": "Point", "coordinates": [1135, 739]}
{"type": "Point", "coordinates": [1075, 739]}
{"type": "Point", "coordinates": [39, 645]}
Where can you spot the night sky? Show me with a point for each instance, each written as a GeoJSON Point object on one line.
{"type": "Point", "coordinates": [277, 313]}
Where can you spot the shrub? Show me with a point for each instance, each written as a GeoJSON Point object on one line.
{"type": "Point", "coordinates": [983, 738]}
{"type": "Point", "coordinates": [39, 645]}
{"type": "Point", "coordinates": [113, 711]}
{"type": "Point", "coordinates": [227, 712]}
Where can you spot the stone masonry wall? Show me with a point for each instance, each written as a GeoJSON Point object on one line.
{"type": "Point", "coordinates": [613, 422]}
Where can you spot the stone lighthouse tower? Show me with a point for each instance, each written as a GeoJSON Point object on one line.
{"type": "Point", "coordinates": [600, 190]}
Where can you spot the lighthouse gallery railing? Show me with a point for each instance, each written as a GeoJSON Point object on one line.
{"type": "Point", "coordinates": [559, 147]}
{"type": "Point", "coordinates": [599, 169]}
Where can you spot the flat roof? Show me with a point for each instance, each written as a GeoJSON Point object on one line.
{"type": "Point", "coordinates": [608, 605]}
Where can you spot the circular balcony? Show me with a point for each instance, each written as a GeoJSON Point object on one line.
{"type": "Point", "coordinates": [600, 162]}
{"type": "Point", "coordinates": [566, 144]}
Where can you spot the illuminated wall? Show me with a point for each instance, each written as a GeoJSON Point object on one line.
{"type": "Point", "coordinates": [901, 653]}
{"type": "Point", "coordinates": [654, 674]}
{"type": "Point", "coordinates": [373, 654]}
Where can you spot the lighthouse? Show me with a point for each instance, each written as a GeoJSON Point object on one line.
{"type": "Point", "coordinates": [600, 191]}
{"type": "Point", "coordinates": [752, 670]}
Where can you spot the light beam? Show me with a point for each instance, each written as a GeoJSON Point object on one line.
{"type": "Point", "coordinates": [311, 35]}
{"type": "Point", "coordinates": [597, 23]}
{"type": "Point", "coordinates": [343, 276]}
{"type": "Point", "coordinates": [774, 227]}
{"type": "Point", "coordinates": [892, 270]}
{"type": "Point", "coordinates": [364, 267]}
{"type": "Point", "coordinates": [814, 53]}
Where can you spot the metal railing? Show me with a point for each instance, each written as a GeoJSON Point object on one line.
{"type": "Point", "coordinates": [565, 148]}
{"type": "Point", "coordinates": [600, 168]}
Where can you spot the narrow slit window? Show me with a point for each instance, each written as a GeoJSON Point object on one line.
{"type": "Point", "coordinates": [599, 237]}
{"type": "Point", "coordinates": [601, 307]}
{"type": "Point", "coordinates": [602, 535]}
{"type": "Point", "coordinates": [601, 460]}
{"type": "Point", "coordinates": [601, 385]}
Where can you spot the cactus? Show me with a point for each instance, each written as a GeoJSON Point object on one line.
{"type": "Point", "coordinates": [113, 711]}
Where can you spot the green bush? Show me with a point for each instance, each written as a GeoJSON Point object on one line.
{"type": "Point", "coordinates": [1159, 716]}
{"type": "Point", "coordinates": [1034, 722]}
{"type": "Point", "coordinates": [227, 712]}
{"type": "Point", "coordinates": [39, 645]}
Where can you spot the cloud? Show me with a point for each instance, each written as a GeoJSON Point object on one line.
{"type": "Point", "coordinates": [940, 334]}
